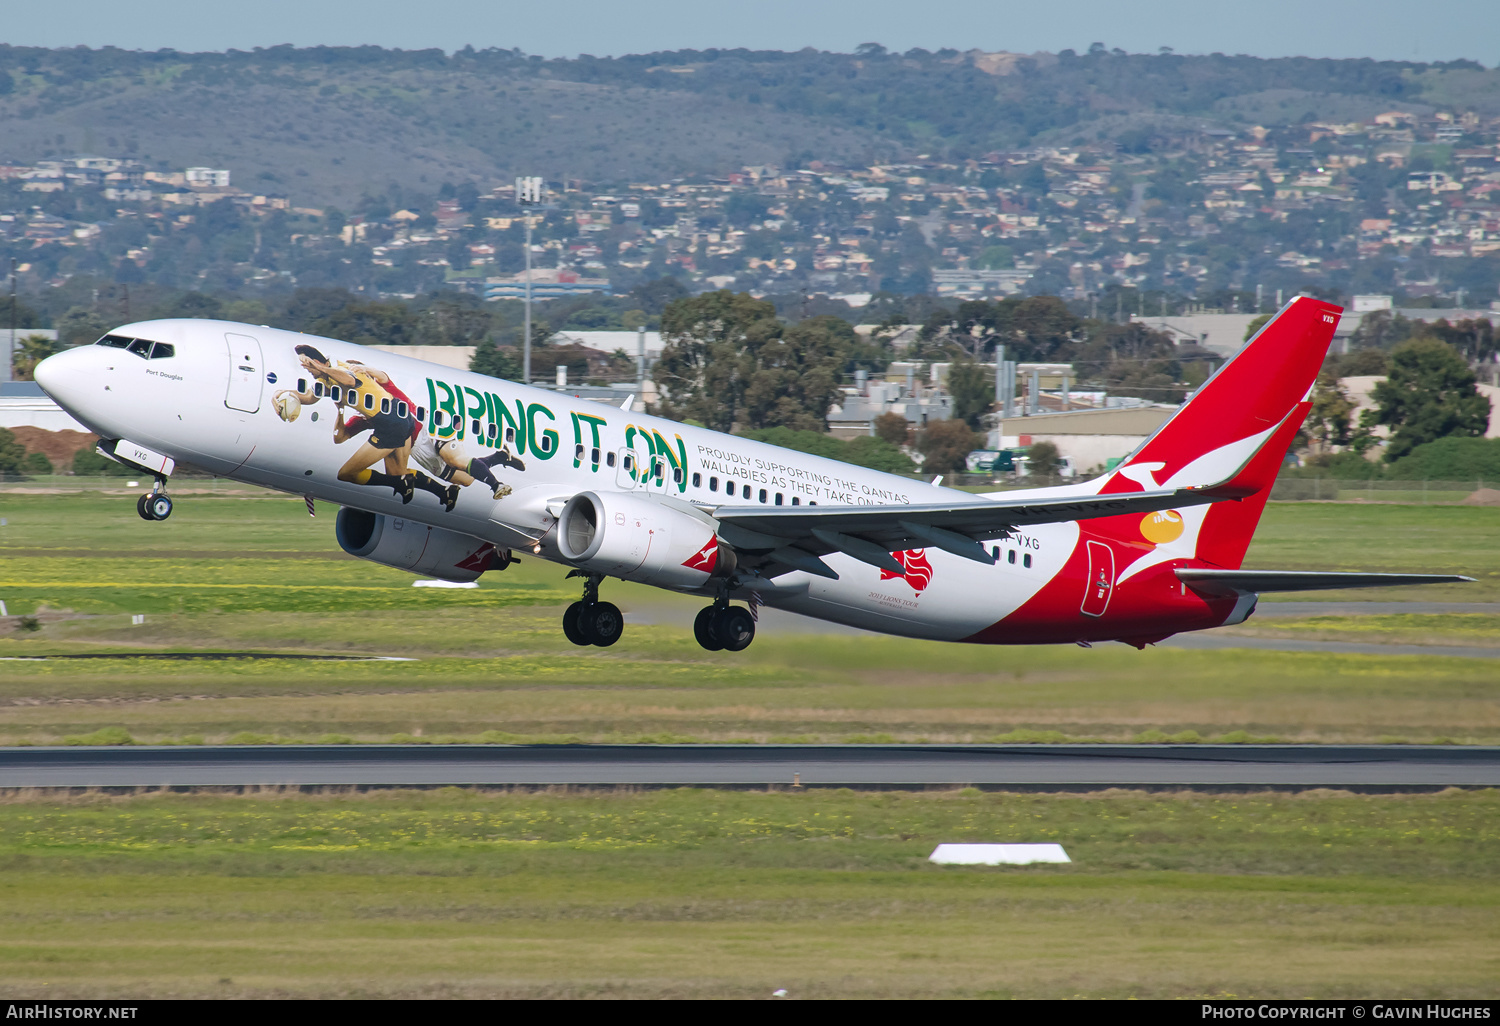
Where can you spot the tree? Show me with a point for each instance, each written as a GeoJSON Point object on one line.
{"type": "Point", "coordinates": [972, 390]}
{"type": "Point", "coordinates": [1256, 325]}
{"type": "Point", "coordinates": [12, 455]}
{"type": "Point", "coordinates": [25, 315]}
{"type": "Point", "coordinates": [88, 463]}
{"type": "Point", "coordinates": [727, 360]}
{"type": "Point", "coordinates": [654, 296]}
{"type": "Point", "coordinates": [30, 351]}
{"type": "Point", "coordinates": [945, 446]}
{"type": "Point", "coordinates": [1330, 419]}
{"type": "Point", "coordinates": [1042, 458]}
{"type": "Point", "coordinates": [490, 359]}
{"type": "Point", "coordinates": [390, 324]}
{"type": "Point", "coordinates": [794, 379]}
{"type": "Point", "coordinates": [892, 428]}
{"type": "Point", "coordinates": [80, 326]}
{"type": "Point", "coordinates": [1428, 395]}
{"type": "Point", "coordinates": [878, 454]}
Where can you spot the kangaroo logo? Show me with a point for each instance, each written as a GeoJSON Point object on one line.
{"type": "Point", "coordinates": [706, 558]}
{"type": "Point", "coordinates": [918, 571]}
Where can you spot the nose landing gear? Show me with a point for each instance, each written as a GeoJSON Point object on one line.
{"type": "Point", "coordinates": [155, 504]}
{"type": "Point", "coordinates": [589, 621]}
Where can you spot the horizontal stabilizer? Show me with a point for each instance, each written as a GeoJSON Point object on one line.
{"type": "Point", "coordinates": [1303, 580]}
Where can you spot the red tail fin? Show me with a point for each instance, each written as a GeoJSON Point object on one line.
{"type": "Point", "coordinates": [1239, 423]}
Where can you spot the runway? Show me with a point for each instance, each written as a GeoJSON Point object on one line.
{"type": "Point", "coordinates": [1371, 768]}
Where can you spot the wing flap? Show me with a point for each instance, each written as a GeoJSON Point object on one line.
{"type": "Point", "coordinates": [893, 526]}
{"type": "Point", "coordinates": [1303, 580]}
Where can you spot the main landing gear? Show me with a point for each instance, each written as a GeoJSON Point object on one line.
{"type": "Point", "coordinates": [722, 626]}
{"type": "Point", "coordinates": [155, 504]}
{"type": "Point", "coordinates": [591, 622]}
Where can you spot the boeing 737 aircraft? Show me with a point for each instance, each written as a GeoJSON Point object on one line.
{"type": "Point", "coordinates": [446, 473]}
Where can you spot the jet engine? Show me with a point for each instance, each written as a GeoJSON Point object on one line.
{"type": "Point", "coordinates": [641, 538]}
{"type": "Point", "coordinates": [408, 545]}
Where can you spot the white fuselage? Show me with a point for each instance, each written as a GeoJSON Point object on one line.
{"type": "Point", "coordinates": [212, 404]}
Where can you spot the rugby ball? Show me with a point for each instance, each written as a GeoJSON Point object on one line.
{"type": "Point", "coordinates": [288, 406]}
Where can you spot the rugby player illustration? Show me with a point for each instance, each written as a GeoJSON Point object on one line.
{"type": "Point", "coordinates": [396, 435]}
{"type": "Point", "coordinates": [368, 390]}
{"type": "Point", "coordinates": [448, 461]}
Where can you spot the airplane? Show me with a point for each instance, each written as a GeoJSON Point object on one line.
{"type": "Point", "coordinates": [448, 474]}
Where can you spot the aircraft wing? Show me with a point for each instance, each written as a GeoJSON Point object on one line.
{"type": "Point", "coordinates": [1303, 580]}
{"type": "Point", "coordinates": [778, 539]}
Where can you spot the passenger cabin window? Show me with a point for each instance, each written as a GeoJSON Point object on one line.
{"type": "Point", "coordinates": [140, 347]}
{"type": "Point", "coordinates": [162, 351]}
{"type": "Point", "coordinates": [317, 390]}
{"type": "Point", "coordinates": [492, 431]}
{"type": "Point", "coordinates": [609, 459]}
{"type": "Point", "coordinates": [697, 480]}
{"type": "Point", "coordinates": [546, 445]}
{"type": "Point", "coordinates": [629, 462]}
{"type": "Point", "coordinates": [369, 400]}
{"type": "Point", "coordinates": [421, 413]}
{"type": "Point", "coordinates": [995, 551]}
{"type": "Point", "coordinates": [1010, 557]}
{"type": "Point", "coordinates": [402, 410]}
{"type": "Point", "coordinates": [729, 488]}
{"type": "Point", "coordinates": [336, 393]}
{"type": "Point", "coordinates": [510, 437]}
{"type": "Point", "coordinates": [762, 495]}
{"type": "Point", "coordinates": [713, 484]}
{"type": "Point", "coordinates": [594, 456]}
{"type": "Point", "coordinates": [1026, 560]}
{"type": "Point", "coordinates": [439, 418]}
{"type": "Point", "coordinates": [302, 385]}
{"type": "Point", "coordinates": [778, 498]}
{"type": "Point", "coordinates": [476, 429]}
{"type": "Point", "coordinates": [677, 475]}
{"type": "Point", "coordinates": [796, 501]}
{"type": "Point", "coordinates": [385, 405]}
{"type": "Point", "coordinates": [578, 453]}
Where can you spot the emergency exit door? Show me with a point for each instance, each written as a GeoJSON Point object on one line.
{"type": "Point", "coordinates": [1101, 580]}
{"type": "Point", "coordinates": [245, 373]}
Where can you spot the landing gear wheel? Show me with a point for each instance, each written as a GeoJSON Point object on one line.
{"type": "Point", "coordinates": [703, 629]}
{"type": "Point", "coordinates": [571, 626]}
{"type": "Point", "coordinates": [735, 628]}
{"type": "Point", "coordinates": [602, 623]}
{"type": "Point", "coordinates": [159, 505]}
{"type": "Point", "coordinates": [142, 508]}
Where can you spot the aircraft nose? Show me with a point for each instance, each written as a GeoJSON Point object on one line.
{"type": "Point", "coordinates": [64, 375]}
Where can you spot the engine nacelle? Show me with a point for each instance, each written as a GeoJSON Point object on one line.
{"type": "Point", "coordinates": [408, 545]}
{"type": "Point", "coordinates": [639, 538]}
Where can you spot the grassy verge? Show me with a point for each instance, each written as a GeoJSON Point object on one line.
{"type": "Point", "coordinates": [253, 573]}
{"type": "Point", "coordinates": [705, 893]}
{"type": "Point", "coordinates": [504, 675]}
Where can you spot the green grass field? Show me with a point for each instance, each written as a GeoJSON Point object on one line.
{"type": "Point", "coordinates": [695, 893]}
{"type": "Point", "coordinates": [700, 893]}
{"type": "Point", "coordinates": [251, 572]}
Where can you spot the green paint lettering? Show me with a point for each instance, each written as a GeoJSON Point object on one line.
{"type": "Point", "coordinates": [547, 436]}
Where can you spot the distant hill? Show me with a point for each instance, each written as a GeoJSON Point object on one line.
{"type": "Point", "coordinates": [326, 124]}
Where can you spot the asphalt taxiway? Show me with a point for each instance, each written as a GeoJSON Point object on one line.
{"type": "Point", "coordinates": [1372, 768]}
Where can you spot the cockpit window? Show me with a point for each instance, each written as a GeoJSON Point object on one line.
{"type": "Point", "coordinates": [162, 351]}
{"type": "Point", "coordinates": [140, 347]}
{"type": "Point", "coordinates": [114, 341]}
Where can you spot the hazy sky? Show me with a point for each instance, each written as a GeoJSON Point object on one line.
{"type": "Point", "coordinates": [1389, 29]}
